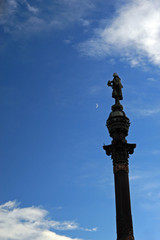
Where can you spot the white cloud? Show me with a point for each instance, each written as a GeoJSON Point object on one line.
{"type": "Point", "coordinates": [134, 177]}
{"type": "Point", "coordinates": [148, 112]}
{"type": "Point", "coordinates": [22, 17]}
{"type": "Point", "coordinates": [142, 111]}
{"type": "Point", "coordinates": [151, 79]}
{"type": "Point", "coordinates": [155, 152]}
{"type": "Point", "coordinates": [84, 22]}
{"type": "Point", "coordinates": [67, 41]}
{"type": "Point", "coordinates": [31, 223]}
{"type": "Point", "coordinates": [89, 229]}
{"type": "Point", "coordinates": [7, 8]}
{"type": "Point", "coordinates": [13, 3]}
{"type": "Point", "coordinates": [133, 33]}
{"type": "Point", "coordinates": [31, 8]}
{"type": "Point", "coordinates": [95, 90]}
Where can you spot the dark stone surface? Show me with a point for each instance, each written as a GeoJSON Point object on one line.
{"type": "Point", "coordinates": [118, 126]}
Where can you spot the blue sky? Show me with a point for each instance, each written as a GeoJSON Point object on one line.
{"type": "Point", "coordinates": [55, 60]}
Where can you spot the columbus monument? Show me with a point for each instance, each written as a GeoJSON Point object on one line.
{"type": "Point", "coordinates": [118, 126]}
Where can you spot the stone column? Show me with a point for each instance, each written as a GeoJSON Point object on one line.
{"type": "Point", "coordinates": [118, 126]}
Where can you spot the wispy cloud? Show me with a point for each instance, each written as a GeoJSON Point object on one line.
{"type": "Point", "coordinates": [138, 108]}
{"type": "Point", "coordinates": [151, 195]}
{"type": "Point", "coordinates": [31, 8]}
{"type": "Point", "coordinates": [155, 152]}
{"type": "Point", "coordinates": [89, 229]}
{"type": "Point", "coordinates": [31, 223]}
{"type": "Point", "coordinates": [147, 112]}
{"type": "Point", "coordinates": [134, 177]}
{"type": "Point", "coordinates": [133, 33]}
{"type": "Point", "coordinates": [151, 79]}
{"type": "Point", "coordinates": [146, 188]}
{"type": "Point", "coordinates": [18, 17]}
{"type": "Point", "coordinates": [95, 90]}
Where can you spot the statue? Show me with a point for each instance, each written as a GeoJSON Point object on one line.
{"type": "Point", "coordinates": [117, 88]}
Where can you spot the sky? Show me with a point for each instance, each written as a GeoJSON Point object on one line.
{"type": "Point", "coordinates": [56, 57]}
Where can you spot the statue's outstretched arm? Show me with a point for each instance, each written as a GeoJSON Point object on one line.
{"type": "Point", "coordinates": [110, 83]}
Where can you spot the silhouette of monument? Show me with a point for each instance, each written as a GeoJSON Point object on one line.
{"type": "Point", "coordinates": [118, 126]}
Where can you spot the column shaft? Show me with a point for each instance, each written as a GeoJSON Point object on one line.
{"type": "Point", "coordinates": [123, 206]}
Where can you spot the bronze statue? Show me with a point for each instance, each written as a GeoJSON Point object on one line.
{"type": "Point", "coordinates": [117, 88]}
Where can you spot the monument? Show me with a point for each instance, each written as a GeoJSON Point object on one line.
{"type": "Point", "coordinates": [118, 126]}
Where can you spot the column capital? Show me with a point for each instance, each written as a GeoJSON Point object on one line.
{"type": "Point", "coordinates": [119, 151]}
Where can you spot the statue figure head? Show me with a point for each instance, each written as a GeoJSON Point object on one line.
{"type": "Point", "coordinates": [115, 74]}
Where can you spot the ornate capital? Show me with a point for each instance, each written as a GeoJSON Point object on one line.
{"type": "Point", "coordinates": [119, 152]}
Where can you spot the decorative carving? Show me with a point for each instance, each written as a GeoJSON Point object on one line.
{"type": "Point", "coordinates": [119, 151]}
{"type": "Point", "coordinates": [120, 167]}
{"type": "Point", "coordinates": [118, 125]}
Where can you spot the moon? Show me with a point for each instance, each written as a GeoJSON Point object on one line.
{"type": "Point", "coordinates": [96, 105]}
